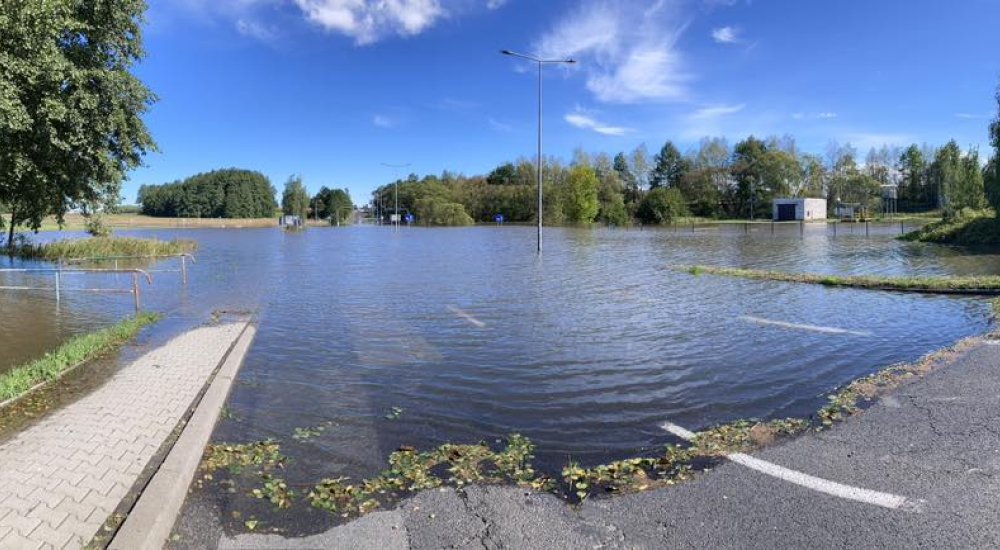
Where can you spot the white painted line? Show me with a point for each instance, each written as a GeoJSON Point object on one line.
{"type": "Point", "coordinates": [810, 328]}
{"type": "Point", "coordinates": [466, 316]}
{"type": "Point", "coordinates": [867, 496]}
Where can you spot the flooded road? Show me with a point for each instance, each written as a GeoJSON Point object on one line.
{"type": "Point", "coordinates": [425, 336]}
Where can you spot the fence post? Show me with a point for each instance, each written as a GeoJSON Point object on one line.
{"type": "Point", "coordinates": [802, 228]}
{"type": "Point", "coordinates": [58, 280]}
{"type": "Point", "coordinates": [135, 290]}
{"type": "Point", "coordinates": [184, 273]}
{"type": "Point", "coordinates": [866, 229]}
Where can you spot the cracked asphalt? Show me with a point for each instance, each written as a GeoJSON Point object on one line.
{"type": "Point", "coordinates": [935, 440]}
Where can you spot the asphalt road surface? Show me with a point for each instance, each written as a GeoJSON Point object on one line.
{"type": "Point", "coordinates": [930, 451]}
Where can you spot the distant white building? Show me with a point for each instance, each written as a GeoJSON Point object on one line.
{"type": "Point", "coordinates": [799, 209]}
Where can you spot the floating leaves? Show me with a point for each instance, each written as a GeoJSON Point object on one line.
{"type": "Point", "coordinates": [275, 491]}
{"type": "Point", "coordinates": [305, 434]}
{"type": "Point", "coordinates": [233, 457]}
{"type": "Point", "coordinates": [394, 413]}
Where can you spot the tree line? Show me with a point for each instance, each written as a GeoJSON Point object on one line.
{"type": "Point", "coordinates": [228, 193]}
{"type": "Point", "coordinates": [714, 180]}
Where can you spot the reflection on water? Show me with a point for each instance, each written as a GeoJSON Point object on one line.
{"type": "Point", "coordinates": [586, 350]}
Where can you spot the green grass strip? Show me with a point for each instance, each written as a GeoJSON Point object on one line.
{"type": "Point", "coordinates": [83, 348]}
{"type": "Point", "coordinates": [989, 284]}
{"type": "Point", "coordinates": [103, 247]}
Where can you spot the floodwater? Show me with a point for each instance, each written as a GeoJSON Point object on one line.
{"type": "Point", "coordinates": [468, 335]}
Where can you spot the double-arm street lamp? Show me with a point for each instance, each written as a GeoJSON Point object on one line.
{"type": "Point", "coordinates": [539, 62]}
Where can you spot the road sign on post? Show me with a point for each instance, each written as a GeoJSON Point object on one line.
{"type": "Point", "coordinates": [499, 219]}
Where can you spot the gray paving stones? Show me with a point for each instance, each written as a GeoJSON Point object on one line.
{"type": "Point", "coordinates": [63, 477]}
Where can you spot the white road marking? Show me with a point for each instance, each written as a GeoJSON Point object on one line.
{"type": "Point", "coordinates": [867, 496]}
{"type": "Point", "coordinates": [810, 328]}
{"type": "Point", "coordinates": [466, 316]}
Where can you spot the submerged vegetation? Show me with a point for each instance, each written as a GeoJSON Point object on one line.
{"type": "Point", "coordinates": [103, 247]}
{"type": "Point", "coordinates": [987, 284]}
{"type": "Point", "coordinates": [23, 379]}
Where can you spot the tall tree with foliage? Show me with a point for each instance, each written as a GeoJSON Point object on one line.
{"type": "Point", "coordinates": [295, 198]}
{"type": "Point", "coordinates": [581, 204]}
{"type": "Point", "coordinates": [913, 188]}
{"type": "Point", "coordinates": [70, 108]}
{"type": "Point", "coordinates": [669, 167]}
{"type": "Point", "coordinates": [991, 174]}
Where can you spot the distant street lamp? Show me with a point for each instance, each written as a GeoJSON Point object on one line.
{"type": "Point", "coordinates": [540, 62]}
{"type": "Point", "coordinates": [395, 212]}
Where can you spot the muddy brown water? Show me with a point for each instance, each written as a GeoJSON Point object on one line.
{"type": "Point", "coordinates": [469, 335]}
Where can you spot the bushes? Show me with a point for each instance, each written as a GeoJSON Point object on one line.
{"type": "Point", "coordinates": [662, 206]}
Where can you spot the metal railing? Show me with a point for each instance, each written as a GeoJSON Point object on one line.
{"type": "Point", "coordinates": [116, 259]}
{"type": "Point", "coordinates": [58, 273]}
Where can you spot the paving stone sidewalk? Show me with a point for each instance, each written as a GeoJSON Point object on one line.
{"type": "Point", "coordinates": [63, 477]}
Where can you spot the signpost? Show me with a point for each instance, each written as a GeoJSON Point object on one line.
{"type": "Point", "coordinates": [499, 219]}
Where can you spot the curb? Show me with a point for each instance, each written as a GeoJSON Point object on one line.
{"type": "Point", "coordinates": [151, 520]}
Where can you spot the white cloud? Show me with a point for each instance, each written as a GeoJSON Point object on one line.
{"type": "Point", "coordinates": [716, 111]}
{"type": "Point", "coordinates": [368, 21]}
{"type": "Point", "coordinates": [256, 30]}
{"type": "Point", "coordinates": [500, 126]}
{"type": "Point", "coordinates": [827, 115]}
{"type": "Point", "coordinates": [495, 4]}
{"type": "Point", "coordinates": [971, 116]}
{"type": "Point", "coordinates": [726, 35]}
{"type": "Point", "coordinates": [586, 122]}
{"type": "Point", "coordinates": [383, 121]}
{"type": "Point", "coordinates": [627, 49]}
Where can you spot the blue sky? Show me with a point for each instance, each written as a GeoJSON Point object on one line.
{"type": "Point", "coordinates": [334, 89]}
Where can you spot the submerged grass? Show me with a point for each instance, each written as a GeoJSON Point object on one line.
{"type": "Point", "coordinates": [103, 247]}
{"type": "Point", "coordinates": [22, 379]}
{"type": "Point", "coordinates": [987, 284]}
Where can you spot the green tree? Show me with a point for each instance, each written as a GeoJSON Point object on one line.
{"type": "Point", "coordinates": [581, 204]}
{"type": "Point", "coordinates": [662, 205]}
{"type": "Point", "coordinates": [669, 168]}
{"type": "Point", "coordinates": [70, 109]}
{"type": "Point", "coordinates": [295, 198]}
{"type": "Point", "coordinates": [958, 178]}
{"type": "Point", "coordinates": [991, 175]}
{"type": "Point", "coordinates": [229, 193]}
{"type": "Point", "coordinates": [913, 189]}
{"type": "Point", "coordinates": [628, 180]}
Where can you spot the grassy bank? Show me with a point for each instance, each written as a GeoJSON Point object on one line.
{"type": "Point", "coordinates": [943, 285]}
{"type": "Point", "coordinates": [103, 247]}
{"type": "Point", "coordinates": [23, 379]}
{"type": "Point", "coordinates": [981, 229]}
{"type": "Point", "coordinates": [76, 222]}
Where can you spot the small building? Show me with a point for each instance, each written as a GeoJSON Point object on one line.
{"type": "Point", "coordinates": [289, 221]}
{"type": "Point", "coordinates": [786, 210]}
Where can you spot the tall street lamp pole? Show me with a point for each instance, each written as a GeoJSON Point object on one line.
{"type": "Point", "coordinates": [539, 62]}
{"type": "Point", "coordinates": [395, 191]}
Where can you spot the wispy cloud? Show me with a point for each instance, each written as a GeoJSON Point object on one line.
{"type": "Point", "coordinates": [716, 111]}
{"type": "Point", "coordinates": [495, 4]}
{"type": "Point", "coordinates": [826, 115]}
{"type": "Point", "coordinates": [587, 122]}
{"type": "Point", "coordinates": [971, 116]}
{"type": "Point", "coordinates": [383, 121]}
{"type": "Point", "coordinates": [627, 49]}
{"type": "Point", "coordinates": [256, 30]}
{"type": "Point", "coordinates": [499, 126]}
{"type": "Point", "coordinates": [726, 35]}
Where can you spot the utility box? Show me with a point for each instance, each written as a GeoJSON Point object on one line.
{"type": "Point", "coordinates": [787, 210]}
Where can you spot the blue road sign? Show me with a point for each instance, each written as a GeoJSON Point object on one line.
{"type": "Point", "coordinates": [498, 218]}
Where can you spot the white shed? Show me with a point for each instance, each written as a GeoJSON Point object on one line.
{"type": "Point", "coordinates": [799, 209]}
